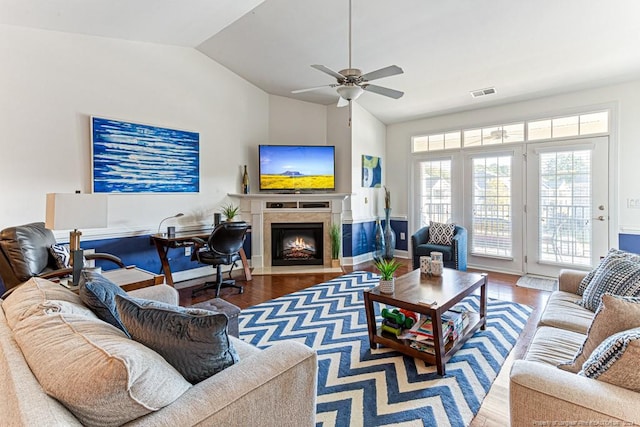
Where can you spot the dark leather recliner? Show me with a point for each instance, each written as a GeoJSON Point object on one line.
{"type": "Point", "coordinates": [454, 256]}
{"type": "Point", "coordinates": [24, 253]}
{"type": "Point", "coordinates": [222, 248]}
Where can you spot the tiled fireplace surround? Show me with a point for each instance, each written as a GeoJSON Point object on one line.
{"type": "Point", "coordinates": [261, 210]}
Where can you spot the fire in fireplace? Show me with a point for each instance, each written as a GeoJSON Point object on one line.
{"type": "Point", "coordinates": [296, 243]}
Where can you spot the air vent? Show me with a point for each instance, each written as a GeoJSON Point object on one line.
{"type": "Point", "coordinates": [483, 92]}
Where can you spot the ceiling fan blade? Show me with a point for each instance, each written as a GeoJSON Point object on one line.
{"type": "Point", "coordinates": [391, 70]}
{"type": "Point", "coordinates": [329, 71]}
{"type": "Point", "coordinates": [342, 102]}
{"type": "Point", "coordinates": [312, 88]}
{"type": "Point", "coordinates": [391, 93]}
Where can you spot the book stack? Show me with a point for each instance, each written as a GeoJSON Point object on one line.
{"type": "Point", "coordinates": [458, 320]}
{"type": "Point", "coordinates": [420, 336]}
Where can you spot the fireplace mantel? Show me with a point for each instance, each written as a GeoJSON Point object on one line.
{"type": "Point", "coordinates": [260, 210]}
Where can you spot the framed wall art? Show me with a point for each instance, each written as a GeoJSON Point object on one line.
{"type": "Point", "coordinates": [137, 158]}
{"type": "Point", "coordinates": [371, 171]}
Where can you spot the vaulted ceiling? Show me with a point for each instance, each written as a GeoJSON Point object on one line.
{"type": "Point", "coordinates": [525, 49]}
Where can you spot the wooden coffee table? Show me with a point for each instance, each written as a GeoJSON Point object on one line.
{"type": "Point", "coordinates": [447, 290]}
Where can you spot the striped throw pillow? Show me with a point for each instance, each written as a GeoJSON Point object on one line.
{"type": "Point", "coordinates": [613, 253]}
{"type": "Point", "coordinates": [615, 361]}
{"type": "Point", "coordinates": [617, 276]}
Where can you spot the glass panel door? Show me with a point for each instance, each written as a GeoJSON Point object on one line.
{"type": "Point", "coordinates": [491, 194]}
{"type": "Point", "coordinates": [434, 198]}
{"type": "Point", "coordinates": [567, 206]}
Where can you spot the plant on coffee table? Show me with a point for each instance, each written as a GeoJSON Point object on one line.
{"type": "Point", "coordinates": [387, 268]}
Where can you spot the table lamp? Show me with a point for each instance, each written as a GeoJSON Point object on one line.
{"type": "Point", "coordinates": [170, 230]}
{"type": "Point", "coordinates": [71, 211]}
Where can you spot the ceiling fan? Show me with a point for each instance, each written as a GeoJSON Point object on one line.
{"type": "Point", "coordinates": [351, 83]}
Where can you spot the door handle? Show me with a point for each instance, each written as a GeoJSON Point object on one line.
{"type": "Point", "coordinates": [600, 218]}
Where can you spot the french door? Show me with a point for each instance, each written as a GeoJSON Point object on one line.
{"type": "Point", "coordinates": [567, 212]}
{"type": "Point", "coordinates": [493, 197]}
{"type": "Point", "coordinates": [532, 208]}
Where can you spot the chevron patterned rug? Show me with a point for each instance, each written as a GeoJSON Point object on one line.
{"type": "Point", "coordinates": [358, 386]}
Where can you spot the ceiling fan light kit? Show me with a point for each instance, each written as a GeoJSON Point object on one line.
{"type": "Point", "coordinates": [350, 92]}
{"type": "Point", "coordinates": [351, 83]}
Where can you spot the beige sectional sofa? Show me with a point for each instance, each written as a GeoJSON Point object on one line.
{"type": "Point", "coordinates": [543, 394]}
{"type": "Point", "coordinates": [272, 387]}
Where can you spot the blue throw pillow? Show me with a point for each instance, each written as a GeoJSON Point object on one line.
{"type": "Point", "coordinates": [99, 294]}
{"type": "Point", "coordinates": [192, 340]}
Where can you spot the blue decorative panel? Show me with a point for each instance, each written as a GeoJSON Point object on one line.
{"type": "Point", "coordinates": [629, 242]}
{"type": "Point", "coordinates": [401, 227]}
{"type": "Point", "coordinates": [359, 238]}
{"type": "Point", "coordinates": [136, 158]}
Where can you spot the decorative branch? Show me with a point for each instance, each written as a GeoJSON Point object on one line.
{"type": "Point", "coordinates": [387, 198]}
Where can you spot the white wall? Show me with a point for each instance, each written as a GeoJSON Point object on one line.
{"type": "Point", "coordinates": [51, 83]}
{"type": "Point", "coordinates": [368, 136]}
{"type": "Point", "coordinates": [625, 98]}
{"type": "Point", "coordinates": [339, 134]}
{"type": "Point", "coordinates": [294, 122]}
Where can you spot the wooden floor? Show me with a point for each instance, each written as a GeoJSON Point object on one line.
{"type": "Point", "coordinates": [494, 411]}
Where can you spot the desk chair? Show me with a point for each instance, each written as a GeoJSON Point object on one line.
{"type": "Point", "coordinates": [24, 253]}
{"type": "Point", "coordinates": [222, 248]}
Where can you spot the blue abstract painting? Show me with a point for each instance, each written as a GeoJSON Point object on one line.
{"type": "Point", "coordinates": [136, 158]}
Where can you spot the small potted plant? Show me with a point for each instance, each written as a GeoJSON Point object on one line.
{"type": "Point", "coordinates": [230, 211]}
{"type": "Point", "coordinates": [334, 234]}
{"type": "Point", "coordinates": [387, 268]}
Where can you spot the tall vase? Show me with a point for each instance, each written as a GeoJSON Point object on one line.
{"type": "Point", "coordinates": [380, 246]}
{"type": "Point", "coordinates": [389, 236]}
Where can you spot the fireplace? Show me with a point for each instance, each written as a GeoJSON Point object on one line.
{"type": "Point", "coordinates": [297, 243]}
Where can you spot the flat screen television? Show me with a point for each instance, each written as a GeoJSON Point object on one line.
{"type": "Point", "coordinates": [297, 168]}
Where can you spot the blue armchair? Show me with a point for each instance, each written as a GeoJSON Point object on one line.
{"type": "Point", "coordinates": [454, 256]}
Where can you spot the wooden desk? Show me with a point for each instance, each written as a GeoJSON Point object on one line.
{"type": "Point", "coordinates": [131, 278]}
{"type": "Point", "coordinates": [185, 238]}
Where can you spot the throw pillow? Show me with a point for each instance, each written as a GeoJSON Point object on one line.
{"type": "Point", "coordinates": [18, 305]}
{"type": "Point", "coordinates": [617, 276]}
{"type": "Point", "coordinates": [615, 361]}
{"type": "Point", "coordinates": [101, 376]}
{"type": "Point", "coordinates": [61, 255]}
{"type": "Point", "coordinates": [613, 253]}
{"type": "Point", "coordinates": [441, 234]}
{"type": "Point", "coordinates": [615, 314]}
{"type": "Point", "coordinates": [99, 294]}
{"type": "Point", "coordinates": [194, 341]}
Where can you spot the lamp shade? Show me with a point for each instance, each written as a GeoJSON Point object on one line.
{"type": "Point", "coordinates": [66, 211]}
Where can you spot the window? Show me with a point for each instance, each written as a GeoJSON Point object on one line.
{"type": "Point", "coordinates": [491, 192]}
{"type": "Point", "coordinates": [435, 191]}
{"type": "Point", "coordinates": [549, 128]}
{"type": "Point", "coordinates": [568, 126]}
{"type": "Point", "coordinates": [438, 141]}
